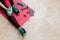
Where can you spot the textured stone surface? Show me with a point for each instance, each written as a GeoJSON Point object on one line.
{"type": "Point", "coordinates": [45, 25]}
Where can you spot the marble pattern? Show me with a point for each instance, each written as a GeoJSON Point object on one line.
{"type": "Point", "coordinates": [45, 25]}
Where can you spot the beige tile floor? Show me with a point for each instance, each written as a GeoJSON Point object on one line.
{"type": "Point", "coordinates": [45, 25]}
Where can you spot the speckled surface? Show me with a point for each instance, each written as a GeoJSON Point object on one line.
{"type": "Point", "coordinates": [45, 25]}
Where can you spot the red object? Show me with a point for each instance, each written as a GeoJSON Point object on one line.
{"type": "Point", "coordinates": [22, 17]}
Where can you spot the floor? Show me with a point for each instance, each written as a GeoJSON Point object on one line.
{"type": "Point", "coordinates": [45, 25]}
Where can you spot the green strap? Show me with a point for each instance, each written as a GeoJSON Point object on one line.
{"type": "Point", "coordinates": [22, 31]}
{"type": "Point", "coordinates": [15, 8]}
{"type": "Point", "coordinates": [9, 11]}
